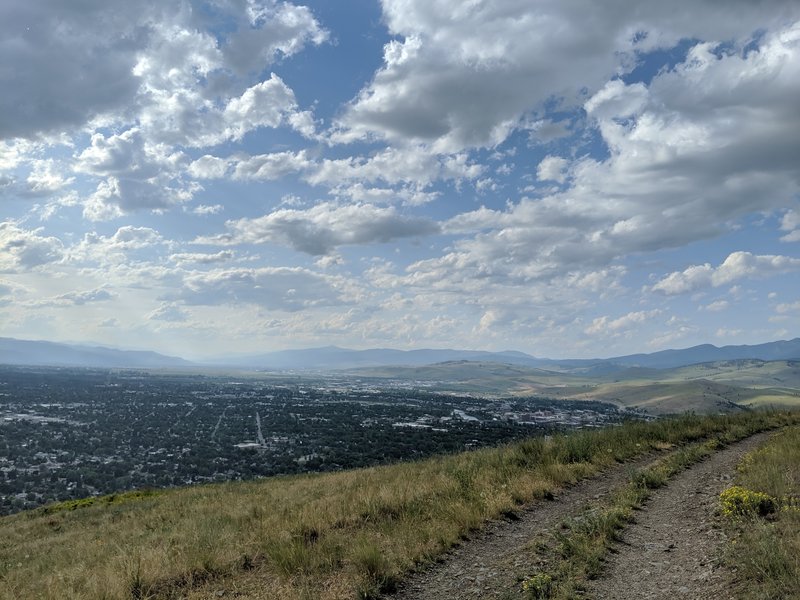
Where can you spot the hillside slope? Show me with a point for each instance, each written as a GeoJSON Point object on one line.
{"type": "Point", "coordinates": [326, 536]}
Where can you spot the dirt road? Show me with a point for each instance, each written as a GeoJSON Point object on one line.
{"type": "Point", "coordinates": [668, 552]}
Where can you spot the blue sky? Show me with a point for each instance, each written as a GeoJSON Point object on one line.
{"type": "Point", "coordinates": [562, 178]}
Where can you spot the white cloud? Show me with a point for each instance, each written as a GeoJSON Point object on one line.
{"type": "Point", "coordinates": [463, 74]}
{"type": "Point", "coordinates": [275, 30]}
{"type": "Point", "coordinates": [716, 306]}
{"type": "Point", "coordinates": [604, 325]}
{"type": "Point", "coordinates": [552, 168]}
{"type": "Point", "coordinates": [138, 175]}
{"type": "Point", "coordinates": [545, 131]}
{"type": "Point", "coordinates": [202, 258]}
{"type": "Point", "coordinates": [25, 249]}
{"type": "Point", "coordinates": [168, 312]}
{"type": "Point", "coordinates": [46, 178]}
{"type": "Point", "coordinates": [411, 164]}
{"type": "Point", "coordinates": [208, 209]}
{"type": "Point", "coordinates": [70, 62]}
{"type": "Point", "coordinates": [725, 332]}
{"type": "Point", "coordinates": [117, 247]}
{"type": "Point", "coordinates": [80, 298]}
{"type": "Point", "coordinates": [278, 288]}
{"type": "Point", "coordinates": [76, 298]}
{"type": "Point", "coordinates": [270, 166]}
{"type": "Point", "coordinates": [322, 228]}
{"type": "Point", "coordinates": [788, 307]}
{"type": "Point", "coordinates": [738, 265]}
{"type": "Point", "coordinates": [266, 104]}
{"type": "Point", "coordinates": [105, 59]}
{"type": "Point", "coordinates": [791, 223]}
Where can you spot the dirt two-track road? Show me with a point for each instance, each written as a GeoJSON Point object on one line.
{"type": "Point", "coordinates": [670, 551]}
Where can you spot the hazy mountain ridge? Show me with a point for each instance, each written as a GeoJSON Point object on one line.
{"type": "Point", "coordinates": [330, 358]}
{"type": "Point", "coordinates": [28, 352]}
{"type": "Point", "coordinates": [334, 358]}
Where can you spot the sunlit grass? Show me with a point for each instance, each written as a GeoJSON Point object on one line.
{"type": "Point", "coordinates": [568, 559]}
{"type": "Point", "coordinates": [332, 535]}
{"type": "Point", "coordinates": [763, 514]}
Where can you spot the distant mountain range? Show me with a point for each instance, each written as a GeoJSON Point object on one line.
{"type": "Point", "coordinates": [335, 358]}
{"type": "Point", "coordinates": [24, 352]}
{"type": "Point", "coordinates": [667, 359]}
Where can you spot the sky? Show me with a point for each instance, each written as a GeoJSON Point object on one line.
{"type": "Point", "coordinates": [568, 178]}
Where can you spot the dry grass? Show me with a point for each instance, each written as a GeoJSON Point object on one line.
{"type": "Point", "coordinates": [317, 536]}
{"type": "Point", "coordinates": [567, 560]}
{"type": "Point", "coordinates": [765, 546]}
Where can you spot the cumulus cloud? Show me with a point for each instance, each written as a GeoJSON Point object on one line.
{"type": "Point", "coordinates": [275, 30]}
{"type": "Point", "coordinates": [207, 209]}
{"type": "Point", "coordinates": [114, 248]}
{"type": "Point", "coordinates": [270, 166]}
{"type": "Point", "coordinates": [80, 298]}
{"type": "Point", "coordinates": [202, 258]}
{"type": "Point", "coordinates": [738, 265]}
{"type": "Point", "coordinates": [791, 223]}
{"type": "Point", "coordinates": [416, 164]}
{"type": "Point", "coordinates": [716, 306]}
{"type": "Point", "coordinates": [278, 288]}
{"type": "Point", "coordinates": [603, 325]}
{"type": "Point", "coordinates": [77, 298]}
{"type": "Point", "coordinates": [552, 168]}
{"type": "Point", "coordinates": [545, 131]}
{"type": "Point", "coordinates": [137, 175]}
{"type": "Point", "coordinates": [685, 163]}
{"type": "Point", "coordinates": [463, 74]}
{"type": "Point", "coordinates": [70, 62]}
{"type": "Point", "coordinates": [25, 249]}
{"type": "Point", "coordinates": [169, 312]}
{"type": "Point", "coordinates": [322, 228]}
{"type": "Point", "coordinates": [74, 63]}
{"type": "Point", "coordinates": [265, 104]}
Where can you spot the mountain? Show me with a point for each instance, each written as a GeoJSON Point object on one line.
{"type": "Point", "coordinates": [334, 358]}
{"type": "Point", "coordinates": [26, 352]}
{"type": "Point", "coordinates": [331, 358]}
{"type": "Point", "coordinates": [668, 359]}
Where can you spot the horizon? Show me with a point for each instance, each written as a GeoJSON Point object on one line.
{"type": "Point", "coordinates": [207, 360]}
{"type": "Point", "coordinates": [570, 179]}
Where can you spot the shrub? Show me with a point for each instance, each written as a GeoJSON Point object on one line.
{"type": "Point", "coordinates": [538, 586]}
{"type": "Point", "coordinates": [738, 502]}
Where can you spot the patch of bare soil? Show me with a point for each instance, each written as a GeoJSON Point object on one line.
{"type": "Point", "coordinates": [487, 566]}
{"type": "Point", "coordinates": [671, 550]}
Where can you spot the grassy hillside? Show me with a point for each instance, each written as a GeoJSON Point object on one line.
{"type": "Point", "coordinates": [322, 536]}
{"type": "Point", "coordinates": [705, 388]}
{"type": "Point", "coordinates": [763, 512]}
